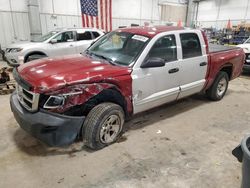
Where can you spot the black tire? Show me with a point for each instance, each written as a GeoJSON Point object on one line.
{"type": "Point", "coordinates": [32, 57]}
{"type": "Point", "coordinates": [95, 123]}
{"type": "Point", "coordinates": [212, 92]}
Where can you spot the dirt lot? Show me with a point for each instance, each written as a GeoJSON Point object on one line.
{"type": "Point", "coordinates": [179, 145]}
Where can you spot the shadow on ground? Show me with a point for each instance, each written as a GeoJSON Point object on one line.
{"type": "Point", "coordinates": [32, 146]}
{"type": "Point", "coordinates": [245, 75]}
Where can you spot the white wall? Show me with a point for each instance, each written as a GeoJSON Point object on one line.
{"type": "Point", "coordinates": [216, 13]}
{"type": "Point", "coordinates": [14, 20]}
{"type": "Point", "coordinates": [137, 12]}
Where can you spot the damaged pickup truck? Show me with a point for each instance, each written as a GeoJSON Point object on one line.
{"type": "Point", "coordinates": [127, 71]}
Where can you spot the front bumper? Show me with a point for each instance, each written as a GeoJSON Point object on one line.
{"type": "Point", "coordinates": [50, 128]}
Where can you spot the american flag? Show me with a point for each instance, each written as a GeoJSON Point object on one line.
{"type": "Point", "coordinates": [97, 13]}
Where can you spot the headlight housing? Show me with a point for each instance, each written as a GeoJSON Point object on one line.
{"type": "Point", "coordinates": [54, 102]}
{"type": "Point", "coordinates": [14, 50]}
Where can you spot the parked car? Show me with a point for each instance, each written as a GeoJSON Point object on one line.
{"type": "Point", "coordinates": [125, 72]}
{"type": "Point", "coordinates": [55, 43]}
{"type": "Point", "coordinates": [246, 48]}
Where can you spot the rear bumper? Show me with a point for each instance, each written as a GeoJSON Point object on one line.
{"type": "Point", "coordinates": [50, 128]}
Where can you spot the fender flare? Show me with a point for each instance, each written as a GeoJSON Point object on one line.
{"type": "Point", "coordinates": [33, 52]}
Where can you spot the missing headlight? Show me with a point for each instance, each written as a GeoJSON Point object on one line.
{"type": "Point", "coordinates": [54, 102]}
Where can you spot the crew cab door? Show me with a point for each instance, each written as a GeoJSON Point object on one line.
{"type": "Point", "coordinates": [154, 86]}
{"type": "Point", "coordinates": [62, 44]}
{"type": "Point", "coordinates": [193, 63]}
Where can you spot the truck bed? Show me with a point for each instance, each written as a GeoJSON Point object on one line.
{"type": "Point", "coordinates": [218, 48]}
{"type": "Point", "coordinates": [224, 56]}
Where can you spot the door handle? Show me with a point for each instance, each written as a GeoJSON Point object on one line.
{"type": "Point", "coordinates": [203, 64]}
{"type": "Point", "coordinates": [71, 45]}
{"type": "Point", "coordinates": [171, 71]}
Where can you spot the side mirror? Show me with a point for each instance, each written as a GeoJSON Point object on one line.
{"type": "Point", "coordinates": [53, 41]}
{"type": "Point", "coordinates": [153, 62]}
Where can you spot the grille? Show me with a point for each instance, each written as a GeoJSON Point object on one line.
{"type": "Point", "coordinates": [28, 99]}
{"type": "Point", "coordinates": [8, 50]}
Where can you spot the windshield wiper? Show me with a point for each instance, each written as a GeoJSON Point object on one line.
{"type": "Point", "coordinates": [101, 56]}
{"type": "Point", "coordinates": [107, 59]}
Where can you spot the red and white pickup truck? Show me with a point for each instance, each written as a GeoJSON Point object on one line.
{"type": "Point", "coordinates": [125, 72]}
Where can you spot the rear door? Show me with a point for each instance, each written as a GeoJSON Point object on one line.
{"type": "Point", "coordinates": [193, 62]}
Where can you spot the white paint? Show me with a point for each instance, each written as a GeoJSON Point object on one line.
{"type": "Point", "coordinates": [162, 87]}
{"type": "Point", "coordinates": [51, 50]}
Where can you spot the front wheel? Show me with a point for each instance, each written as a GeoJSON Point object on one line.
{"type": "Point", "coordinates": [103, 125]}
{"type": "Point", "coordinates": [34, 57]}
{"type": "Point", "coordinates": [219, 88]}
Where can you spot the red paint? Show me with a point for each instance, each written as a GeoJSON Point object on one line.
{"type": "Point", "coordinates": [49, 74]}
{"type": "Point", "coordinates": [219, 60]}
{"type": "Point", "coordinates": [150, 31]}
{"type": "Point", "coordinates": [88, 91]}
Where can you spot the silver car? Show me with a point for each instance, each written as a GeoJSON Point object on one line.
{"type": "Point", "coordinates": [55, 43]}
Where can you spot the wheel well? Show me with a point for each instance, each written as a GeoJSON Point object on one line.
{"type": "Point", "coordinates": [33, 53]}
{"type": "Point", "coordinates": [107, 95]}
{"type": "Point", "coordinates": [229, 70]}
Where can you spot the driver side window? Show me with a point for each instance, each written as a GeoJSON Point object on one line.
{"type": "Point", "coordinates": [164, 48]}
{"type": "Point", "coordinates": [65, 37]}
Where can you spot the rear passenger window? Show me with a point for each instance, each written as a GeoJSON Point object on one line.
{"type": "Point", "coordinates": [84, 36]}
{"type": "Point", "coordinates": [95, 34]}
{"type": "Point", "coordinates": [164, 48]}
{"type": "Point", "coordinates": [191, 46]}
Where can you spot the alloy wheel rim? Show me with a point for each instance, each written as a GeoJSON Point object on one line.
{"type": "Point", "coordinates": [221, 88]}
{"type": "Point", "coordinates": [110, 129]}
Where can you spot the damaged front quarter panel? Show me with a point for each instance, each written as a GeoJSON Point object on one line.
{"type": "Point", "coordinates": [78, 94]}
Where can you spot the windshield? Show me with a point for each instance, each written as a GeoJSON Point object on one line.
{"type": "Point", "coordinates": [119, 47]}
{"type": "Point", "coordinates": [45, 37]}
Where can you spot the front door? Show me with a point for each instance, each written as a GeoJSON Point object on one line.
{"type": "Point", "coordinates": [65, 44]}
{"type": "Point", "coordinates": [157, 85]}
{"type": "Point", "coordinates": [194, 63]}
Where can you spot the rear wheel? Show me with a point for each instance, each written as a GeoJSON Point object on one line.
{"type": "Point", "coordinates": [103, 125]}
{"type": "Point", "coordinates": [219, 88]}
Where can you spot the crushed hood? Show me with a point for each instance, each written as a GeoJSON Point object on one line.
{"type": "Point", "coordinates": [51, 73]}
